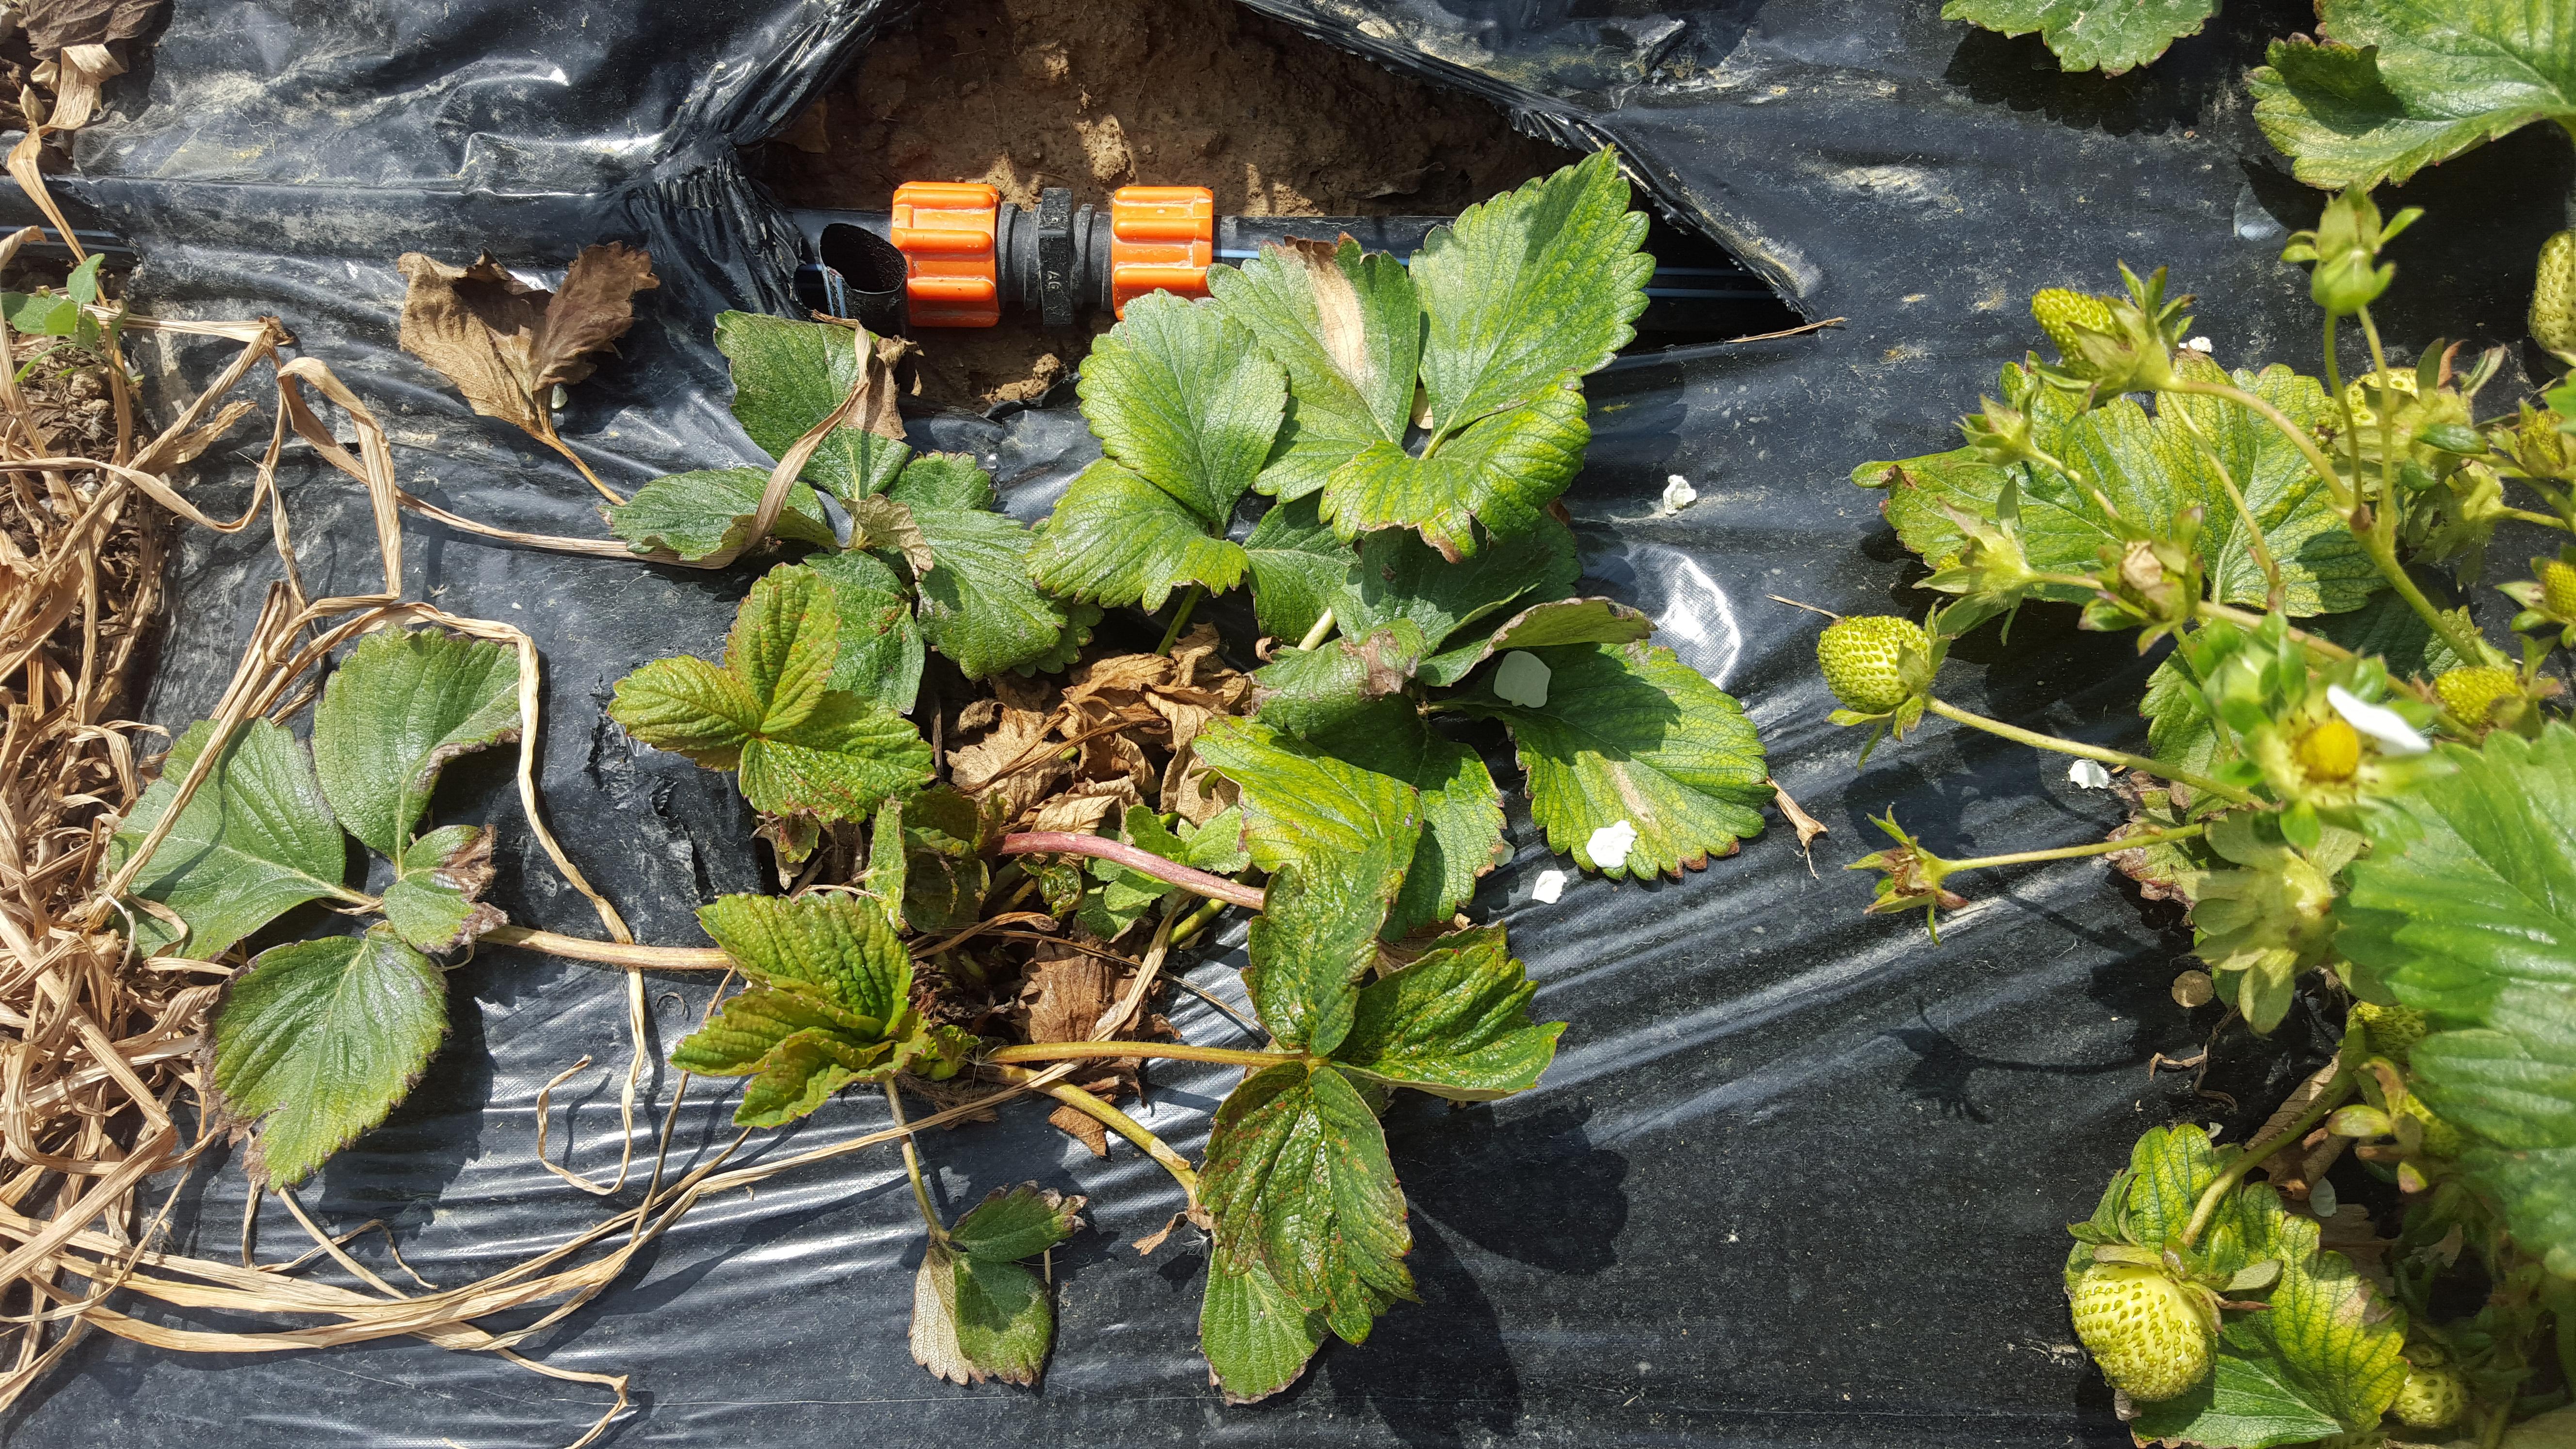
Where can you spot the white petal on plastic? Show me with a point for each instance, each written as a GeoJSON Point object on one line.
{"type": "Point", "coordinates": [2379, 722]}
{"type": "Point", "coordinates": [1608, 846]}
{"type": "Point", "coordinates": [1522, 679]}
{"type": "Point", "coordinates": [2202, 345]}
{"type": "Point", "coordinates": [1678, 494]}
{"type": "Point", "coordinates": [1550, 885]}
{"type": "Point", "coordinates": [2089, 775]}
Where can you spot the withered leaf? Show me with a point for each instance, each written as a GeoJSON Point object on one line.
{"type": "Point", "coordinates": [880, 522]}
{"type": "Point", "coordinates": [506, 345]}
{"type": "Point", "coordinates": [53, 25]}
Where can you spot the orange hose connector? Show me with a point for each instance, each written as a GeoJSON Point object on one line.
{"type": "Point", "coordinates": [945, 231]}
{"type": "Point", "coordinates": [1161, 240]}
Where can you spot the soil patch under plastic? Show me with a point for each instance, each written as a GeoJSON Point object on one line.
{"type": "Point", "coordinates": [1099, 94]}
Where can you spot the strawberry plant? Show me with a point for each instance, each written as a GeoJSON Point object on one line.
{"type": "Point", "coordinates": [993, 828]}
{"type": "Point", "coordinates": [2361, 797]}
{"type": "Point", "coordinates": [318, 1039]}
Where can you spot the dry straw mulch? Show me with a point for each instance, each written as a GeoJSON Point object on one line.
{"type": "Point", "coordinates": [106, 1110]}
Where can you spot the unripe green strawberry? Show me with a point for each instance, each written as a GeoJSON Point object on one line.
{"type": "Point", "coordinates": [2553, 297]}
{"type": "Point", "coordinates": [2473, 691]}
{"type": "Point", "coordinates": [2064, 315]}
{"type": "Point", "coordinates": [2558, 588]}
{"type": "Point", "coordinates": [1866, 660]}
{"type": "Point", "coordinates": [2392, 1028]}
{"type": "Point", "coordinates": [2140, 1326]}
{"type": "Point", "coordinates": [2440, 1137]}
{"type": "Point", "coordinates": [2431, 1398]}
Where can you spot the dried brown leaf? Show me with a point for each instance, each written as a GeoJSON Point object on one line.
{"type": "Point", "coordinates": [53, 25]}
{"type": "Point", "coordinates": [506, 345]}
{"type": "Point", "coordinates": [1066, 992]}
{"type": "Point", "coordinates": [1082, 1128]}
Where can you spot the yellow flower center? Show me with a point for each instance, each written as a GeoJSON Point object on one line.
{"type": "Point", "coordinates": [2330, 751]}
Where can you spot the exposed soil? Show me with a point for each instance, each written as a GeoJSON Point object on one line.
{"type": "Point", "coordinates": [1099, 94]}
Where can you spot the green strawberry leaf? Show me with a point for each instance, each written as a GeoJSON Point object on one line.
{"type": "Point", "coordinates": [1348, 328]}
{"type": "Point", "coordinates": [1628, 734]}
{"type": "Point", "coordinates": [2151, 469]}
{"type": "Point", "coordinates": [979, 1318]}
{"type": "Point", "coordinates": [1116, 539]}
{"type": "Point", "coordinates": [789, 376]}
{"type": "Point", "coordinates": [1541, 626]}
{"type": "Point", "coordinates": [2112, 35]}
{"type": "Point", "coordinates": [399, 707]}
{"type": "Point", "coordinates": [934, 481]}
{"type": "Point", "coordinates": [1454, 1024]}
{"type": "Point", "coordinates": [1336, 840]}
{"type": "Point", "coordinates": [880, 649]}
{"type": "Point", "coordinates": [1180, 395]}
{"type": "Point", "coordinates": [830, 1004]}
{"type": "Point", "coordinates": [2465, 908]}
{"type": "Point", "coordinates": [945, 835]}
{"type": "Point", "coordinates": [839, 947]}
{"type": "Point", "coordinates": [1256, 1337]}
{"type": "Point", "coordinates": [1501, 471]}
{"type": "Point", "coordinates": [770, 713]}
{"type": "Point", "coordinates": [318, 1040]}
{"type": "Point", "coordinates": [978, 605]}
{"type": "Point", "coordinates": [975, 1315]}
{"type": "Point", "coordinates": [1298, 1182]}
{"type": "Point", "coordinates": [1462, 812]}
{"type": "Point", "coordinates": [1528, 291]}
{"type": "Point", "coordinates": [256, 840]}
{"type": "Point", "coordinates": [2245, 1403]}
{"type": "Point", "coordinates": [436, 901]}
{"type": "Point", "coordinates": [1398, 576]}
{"type": "Point", "coordinates": [1297, 567]}
{"type": "Point", "coordinates": [702, 514]}
{"type": "Point", "coordinates": [1309, 691]}
{"type": "Point", "coordinates": [1012, 1223]}
{"type": "Point", "coordinates": [2393, 86]}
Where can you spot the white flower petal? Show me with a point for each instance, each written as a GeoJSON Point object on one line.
{"type": "Point", "coordinates": [1678, 494]}
{"type": "Point", "coordinates": [2381, 723]}
{"type": "Point", "coordinates": [2089, 775]}
{"type": "Point", "coordinates": [1522, 679]}
{"type": "Point", "coordinates": [2202, 345]}
{"type": "Point", "coordinates": [1608, 846]}
{"type": "Point", "coordinates": [1550, 885]}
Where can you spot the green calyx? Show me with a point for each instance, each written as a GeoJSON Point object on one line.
{"type": "Point", "coordinates": [2344, 247]}
{"type": "Point", "coordinates": [2112, 345]}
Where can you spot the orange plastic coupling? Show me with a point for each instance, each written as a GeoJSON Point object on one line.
{"type": "Point", "coordinates": [1161, 239]}
{"type": "Point", "coordinates": [945, 231]}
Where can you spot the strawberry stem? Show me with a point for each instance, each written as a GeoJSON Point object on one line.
{"type": "Point", "coordinates": [1077, 1051]}
{"type": "Point", "coordinates": [2036, 740]}
{"type": "Point", "coordinates": [1111, 1118]}
{"type": "Point", "coordinates": [1143, 862]}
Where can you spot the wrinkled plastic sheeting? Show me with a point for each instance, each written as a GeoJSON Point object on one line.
{"type": "Point", "coordinates": [1799, 1176]}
